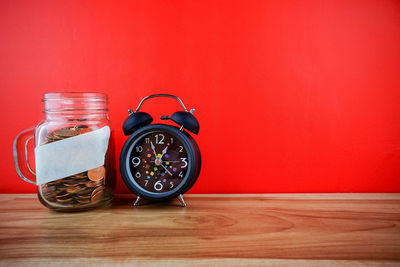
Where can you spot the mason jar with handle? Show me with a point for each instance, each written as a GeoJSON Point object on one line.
{"type": "Point", "coordinates": [74, 152]}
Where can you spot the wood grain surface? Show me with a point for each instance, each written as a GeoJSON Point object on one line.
{"type": "Point", "coordinates": [239, 230]}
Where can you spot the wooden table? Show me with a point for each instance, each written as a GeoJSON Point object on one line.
{"type": "Point", "coordinates": [246, 230]}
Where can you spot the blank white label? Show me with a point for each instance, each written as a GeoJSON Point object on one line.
{"type": "Point", "coordinates": [71, 156]}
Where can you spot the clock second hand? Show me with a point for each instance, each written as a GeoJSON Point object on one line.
{"type": "Point", "coordinates": [166, 169]}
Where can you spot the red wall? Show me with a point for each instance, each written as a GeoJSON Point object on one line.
{"type": "Point", "coordinates": [292, 96]}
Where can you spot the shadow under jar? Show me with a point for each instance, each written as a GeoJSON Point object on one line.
{"type": "Point", "coordinates": [80, 123]}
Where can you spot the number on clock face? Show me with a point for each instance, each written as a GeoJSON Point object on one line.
{"type": "Point", "coordinates": [158, 162]}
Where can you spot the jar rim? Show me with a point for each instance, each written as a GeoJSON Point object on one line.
{"type": "Point", "coordinates": [72, 102]}
{"type": "Point", "coordinates": [88, 96]}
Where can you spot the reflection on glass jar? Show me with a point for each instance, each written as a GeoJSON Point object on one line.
{"type": "Point", "coordinates": [74, 153]}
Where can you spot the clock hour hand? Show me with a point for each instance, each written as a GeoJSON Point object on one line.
{"type": "Point", "coordinates": [166, 170]}
{"type": "Point", "coordinates": [164, 151]}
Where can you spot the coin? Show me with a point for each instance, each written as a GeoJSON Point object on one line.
{"type": "Point", "coordinates": [78, 176]}
{"type": "Point", "coordinates": [86, 195]}
{"type": "Point", "coordinates": [96, 173]}
{"type": "Point", "coordinates": [62, 194]}
{"type": "Point", "coordinates": [75, 190]}
{"type": "Point", "coordinates": [50, 195]}
{"type": "Point", "coordinates": [73, 184]}
{"type": "Point", "coordinates": [81, 174]}
{"type": "Point", "coordinates": [93, 183]}
{"type": "Point", "coordinates": [46, 188]}
{"type": "Point", "coordinates": [52, 183]}
{"type": "Point", "coordinates": [86, 191]}
{"type": "Point", "coordinates": [66, 132]}
{"type": "Point", "coordinates": [81, 126]}
{"type": "Point", "coordinates": [83, 181]}
{"type": "Point", "coordinates": [97, 189]}
{"type": "Point", "coordinates": [64, 199]}
{"type": "Point", "coordinates": [83, 201]}
{"type": "Point", "coordinates": [97, 195]}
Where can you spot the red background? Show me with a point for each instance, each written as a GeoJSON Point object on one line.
{"type": "Point", "coordinates": [292, 96]}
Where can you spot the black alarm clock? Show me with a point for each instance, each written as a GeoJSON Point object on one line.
{"type": "Point", "coordinates": [160, 161]}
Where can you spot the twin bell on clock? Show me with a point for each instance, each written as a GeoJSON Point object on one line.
{"type": "Point", "coordinates": [160, 161]}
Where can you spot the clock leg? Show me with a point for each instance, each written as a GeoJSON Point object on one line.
{"type": "Point", "coordinates": [137, 201]}
{"type": "Point", "coordinates": [180, 198]}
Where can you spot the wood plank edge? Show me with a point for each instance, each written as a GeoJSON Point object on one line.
{"type": "Point", "coordinates": [387, 196]}
{"type": "Point", "coordinates": [190, 262]}
{"type": "Point", "coordinates": [395, 196]}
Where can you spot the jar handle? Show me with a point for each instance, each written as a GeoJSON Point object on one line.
{"type": "Point", "coordinates": [21, 146]}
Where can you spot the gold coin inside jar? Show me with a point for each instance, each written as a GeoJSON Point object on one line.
{"type": "Point", "coordinates": [96, 173]}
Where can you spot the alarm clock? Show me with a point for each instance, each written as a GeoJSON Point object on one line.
{"type": "Point", "coordinates": [159, 162]}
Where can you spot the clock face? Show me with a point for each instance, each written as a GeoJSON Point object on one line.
{"type": "Point", "coordinates": [158, 162]}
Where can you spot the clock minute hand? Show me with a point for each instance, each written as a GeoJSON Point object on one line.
{"type": "Point", "coordinates": [154, 149]}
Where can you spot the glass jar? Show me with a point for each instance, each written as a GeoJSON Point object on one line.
{"type": "Point", "coordinates": [74, 153]}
